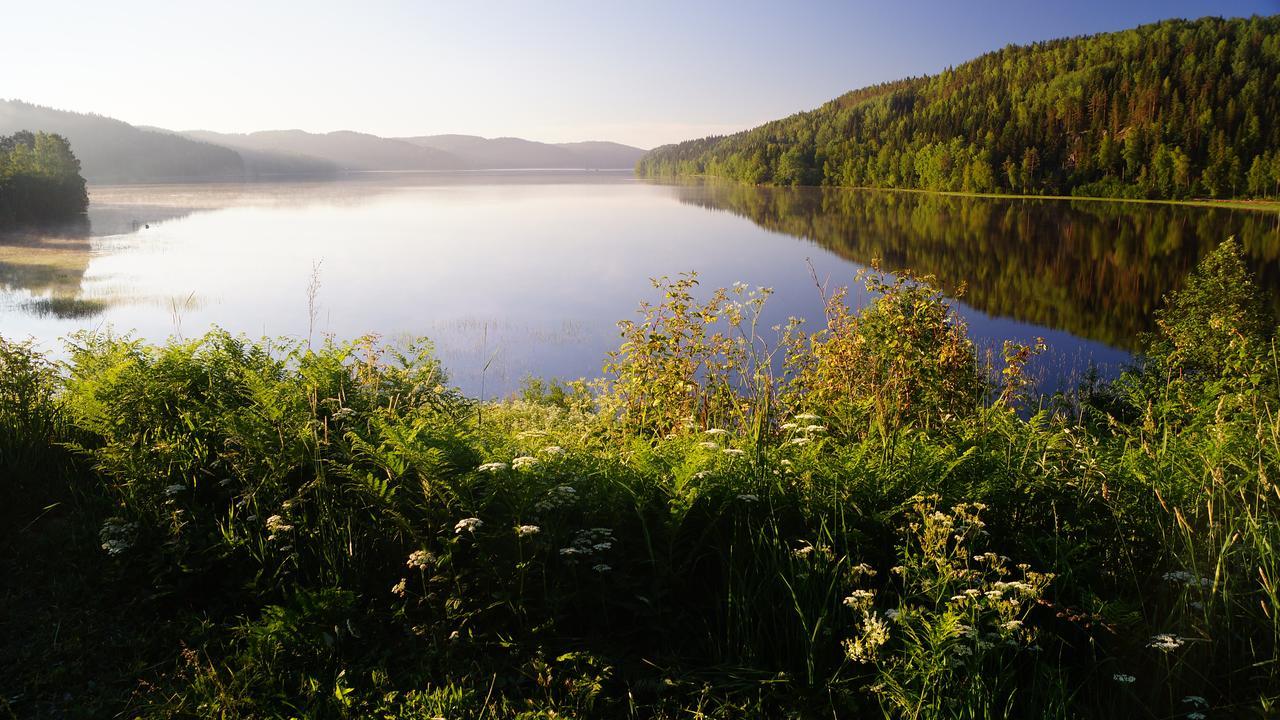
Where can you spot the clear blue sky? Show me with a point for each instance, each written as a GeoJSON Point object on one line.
{"type": "Point", "coordinates": [644, 73]}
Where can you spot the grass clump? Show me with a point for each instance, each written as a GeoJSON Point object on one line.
{"type": "Point", "coordinates": [865, 520]}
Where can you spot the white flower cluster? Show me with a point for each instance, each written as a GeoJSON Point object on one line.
{"type": "Point", "coordinates": [117, 536]}
{"type": "Point", "coordinates": [470, 525]}
{"type": "Point", "coordinates": [1122, 678]}
{"type": "Point", "coordinates": [557, 497]}
{"type": "Point", "coordinates": [419, 559]}
{"type": "Point", "coordinates": [1182, 577]}
{"type": "Point", "coordinates": [491, 467]}
{"type": "Point", "coordinates": [527, 530]}
{"type": "Point", "coordinates": [734, 452]}
{"type": "Point", "coordinates": [1166, 642]}
{"type": "Point", "coordinates": [277, 526]}
{"type": "Point", "coordinates": [553, 450]}
{"type": "Point", "coordinates": [716, 432]}
{"type": "Point", "coordinates": [588, 543]}
{"type": "Point", "coordinates": [748, 497]}
{"type": "Point", "coordinates": [174, 490]}
{"type": "Point", "coordinates": [524, 462]}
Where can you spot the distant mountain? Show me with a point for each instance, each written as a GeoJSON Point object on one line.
{"type": "Point", "coordinates": [345, 149]}
{"type": "Point", "coordinates": [1168, 110]}
{"type": "Point", "coordinates": [513, 153]}
{"type": "Point", "coordinates": [111, 151]}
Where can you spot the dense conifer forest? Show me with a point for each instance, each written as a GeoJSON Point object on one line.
{"type": "Point", "coordinates": [1170, 110]}
{"type": "Point", "coordinates": [39, 179]}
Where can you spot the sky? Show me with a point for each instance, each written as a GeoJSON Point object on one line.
{"type": "Point", "coordinates": [643, 73]}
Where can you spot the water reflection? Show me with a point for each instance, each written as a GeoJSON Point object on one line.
{"type": "Point", "coordinates": [527, 273]}
{"type": "Point", "coordinates": [1095, 269]}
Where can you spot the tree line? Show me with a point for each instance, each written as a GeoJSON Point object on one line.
{"type": "Point", "coordinates": [1168, 110]}
{"type": "Point", "coordinates": [40, 178]}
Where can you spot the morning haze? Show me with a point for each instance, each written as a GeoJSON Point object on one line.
{"type": "Point", "coordinates": [420, 360]}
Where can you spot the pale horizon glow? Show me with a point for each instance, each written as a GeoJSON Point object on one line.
{"type": "Point", "coordinates": [641, 74]}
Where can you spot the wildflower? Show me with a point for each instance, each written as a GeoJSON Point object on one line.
{"type": "Point", "coordinates": [419, 559]}
{"type": "Point", "coordinates": [277, 526]}
{"type": "Point", "coordinates": [859, 598]}
{"type": "Point", "coordinates": [587, 543]}
{"type": "Point", "coordinates": [524, 461]}
{"type": "Point", "coordinates": [490, 467]}
{"type": "Point", "coordinates": [1182, 577]}
{"type": "Point", "coordinates": [117, 536]}
{"type": "Point", "coordinates": [962, 650]}
{"type": "Point", "coordinates": [799, 441]}
{"type": "Point", "coordinates": [716, 432]}
{"type": "Point", "coordinates": [1012, 625]}
{"type": "Point", "coordinates": [892, 613]}
{"type": "Point", "coordinates": [815, 428]}
{"type": "Point", "coordinates": [788, 426]}
{"type": "Point", "coordinates": [862, 569]}
{"type": "Point", "coordinates": [601, 568]}
{"type": "Point", "coordinates": [746, 497]}
{"type": "Point", "coordinates": [734, 452]}
{"type": "Point", "coordinates": [1196, 716]}
{"type": "Point", "coordinates": [526, 434]}
{"type": "Point", "coordinates": [806, 417]}
{"type": "Point", "coordinates": [399, 588]}
{"type": "Point", "coordinates": [1196, 700]}
{"type": "Point", "coordinates": [553, 450]}
{"type": "Point", "coordinates": [1166, 642]}
{"type": "Point", "coordinates": [557, 497]}
{"type": "Point", "coordinates": [174, 490]}
{"type": "Point", "coordinates": [467, 525]}
{"type": "Point", "coordinates": [802, 551]}
{"type": "Point", "coordinates": [875, 632]}
{"type": "Point", "coordinates": [708, 445]}
{"type": "Point", "coordinates": [527, 530]}
{"type": "Point", "coordinates": [1122, 678]}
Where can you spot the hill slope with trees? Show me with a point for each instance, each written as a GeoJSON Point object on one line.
{"type": "Point", "coordinates": [1167, 110]}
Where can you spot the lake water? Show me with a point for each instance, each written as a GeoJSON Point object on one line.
{"type": "Point", "coordinates": [527, 273]}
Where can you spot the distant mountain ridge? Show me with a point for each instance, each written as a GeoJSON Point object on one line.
{"type": "Point", "coordinates": [112, 151]}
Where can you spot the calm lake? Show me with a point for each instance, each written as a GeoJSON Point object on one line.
{"type": "Point", "coordinates": [517, 274]}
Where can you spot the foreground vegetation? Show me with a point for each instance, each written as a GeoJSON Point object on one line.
{"type": "Point", "coordinates": [862, 520]}
{"type": "Point", "coordinates": [39, 179]}
{"type": "Point", "coordinates": [1174, 109]}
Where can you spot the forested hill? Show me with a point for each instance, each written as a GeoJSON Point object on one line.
{"type": "Point", "coordinates": [1173, 109]}
{"type": "Point", "coordinates": [39, 179]}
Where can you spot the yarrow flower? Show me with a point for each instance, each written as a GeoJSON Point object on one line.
{"type": "Point", "coordinates": [117, 536]}
{"type": "Point", "coordinates": [419, 559]}
{"type": "Point", "coordinates": [1166, 642]}
{"type": "Point", "coordinates": [524, 461]}
{"type": "Point", "coordinates": [799, 441]}
{"type": "Point", "coordinates": [553, 450]}
{"type": "Point", "coordinates": [1196, 700]}
{"type": "Point", "coordinates": [716, 432]}
{"type": "Point", "coordinates": [1182, 577]}
{"type": "Point", "coordinates": [734, 452]}
{"type": "Point", "coordinates": [527, 530]}
{"type": "Point", "coordinates": [892, 613]}
{"type": "Point", "coordinates": [277, 526]}
{"type": "Point", "coordinates": [601, 568]}
{"type": "Point", "coordinates": [172, 490]}
{"type": "Point", "coordinates": [1122, 678]}
{"type": "Point", "coordinates": [467, 525]}
{"type": "Point", "coordinates": [859, 598]}
{"type": "Point", "coordinates": [399, 588]}
{"type": "Point", "coordinates": [557, 497]}
{"type": "Point", "coordinates": [588, 544]}
{"type": "Point", "coordinates": [492, 467]}
{"type": "Point", "coordinates": [708, 445]}
{"type": "Point", "coordinates": [806, 417]}
{"type": "Point", "coordinates": [747, 497]}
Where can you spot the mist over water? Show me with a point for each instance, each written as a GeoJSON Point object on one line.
{"type": "Point", "coordinates": [528, 273]}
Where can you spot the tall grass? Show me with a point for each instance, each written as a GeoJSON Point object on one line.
{"type": "Point", "coordinates": [860, 520]}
